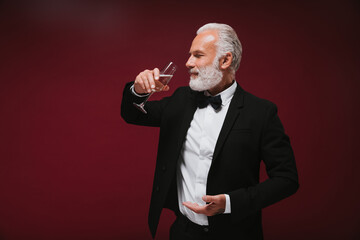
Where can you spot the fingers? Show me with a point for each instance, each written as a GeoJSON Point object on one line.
{"type": "Point", "coordinates": [150, 77]}
{"type": "Point", "coordinates": [146, 82]}
{"type": "Point", "coordinates": [195, 207]}
{"type": "Point", "coordinates": [156, 73]}
{"type": "Point", "coordinates": [158, 85]}
{"type": "Point", "coordinates": [144, 79]}
{"type": "Point", "coordinates": [214, 205]}
{"type": "Point", "coordinates": [141, 85]}
{"type": "Point", "coordinates": [208, 209]}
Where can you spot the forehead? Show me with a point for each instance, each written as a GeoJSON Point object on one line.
{"type": "Point", "coordinates": [204, 41]}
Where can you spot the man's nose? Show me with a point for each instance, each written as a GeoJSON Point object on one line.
{"type": "Point", "coordinates": [190, 62]}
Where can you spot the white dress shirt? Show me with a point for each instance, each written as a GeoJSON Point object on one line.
{"type": "Point", "coordinates": [197, 153]}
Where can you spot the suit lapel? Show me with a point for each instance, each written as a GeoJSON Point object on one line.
{"type": "Point", "coordinates": [190, 109]}
{"type": "Point", "coordinates": [232, 114]}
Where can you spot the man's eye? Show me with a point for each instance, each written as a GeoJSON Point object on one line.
{"type": "Point", "coordinates": [198, 55]}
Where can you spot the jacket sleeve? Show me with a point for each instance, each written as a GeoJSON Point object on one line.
{"type": "Point", "coordinates": [277, 154]}
{"type": "Point", "coordinates": [133, 116]}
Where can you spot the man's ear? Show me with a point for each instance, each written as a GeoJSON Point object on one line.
{"type": "Point", "coordinates": [226, 61]}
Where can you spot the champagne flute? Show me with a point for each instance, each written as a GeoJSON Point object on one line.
{"type": "Point", "coordinates": [164, 78]}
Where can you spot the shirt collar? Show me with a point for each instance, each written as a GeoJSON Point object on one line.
{"type": "Point", "coordinates": [227, 94]}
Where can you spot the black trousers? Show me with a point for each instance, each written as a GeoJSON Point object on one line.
{"type": "Point", "coordinates": [184, 229]}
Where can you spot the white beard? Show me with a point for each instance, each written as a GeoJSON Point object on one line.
{"type": "Point", "coordinates": [207, 78]}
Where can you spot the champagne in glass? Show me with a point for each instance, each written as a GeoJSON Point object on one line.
{"type": "Point", "coordinates": [164, 78]}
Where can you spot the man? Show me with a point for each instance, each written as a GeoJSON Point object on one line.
{"type": "Point", "coordinates": [213, 136]}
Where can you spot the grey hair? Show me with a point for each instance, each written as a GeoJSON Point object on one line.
{"type": "Point", "coordinates": [228, 42]}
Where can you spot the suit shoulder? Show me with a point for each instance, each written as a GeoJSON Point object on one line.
{"type": "Point", "coordinates": [185, 90]}
{"type": "Point", "coordinates": [257, 102]}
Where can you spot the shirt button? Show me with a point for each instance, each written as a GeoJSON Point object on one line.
{"type": "Point", "coordinates": [206, 229]}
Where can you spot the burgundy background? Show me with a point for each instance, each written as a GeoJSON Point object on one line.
{"type": "Point", "coordinates": [70, 168]}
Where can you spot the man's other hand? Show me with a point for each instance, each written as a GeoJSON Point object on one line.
{"type": "Point", "coordinates": [214, 205]}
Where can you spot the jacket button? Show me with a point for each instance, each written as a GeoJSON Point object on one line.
{"type": "Point", "coordinates": [163, 168]}
{"type": "Point", "coordinates": [157, 188]}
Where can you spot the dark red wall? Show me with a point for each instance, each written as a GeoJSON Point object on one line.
{"type": "Point", "coordinates": [70, 168]}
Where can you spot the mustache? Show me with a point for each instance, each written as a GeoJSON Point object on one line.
{"type": "Point", "coordinates": [193, 70]}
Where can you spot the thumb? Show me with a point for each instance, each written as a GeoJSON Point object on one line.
{"type": "Point", "coordinates": [208, 198]}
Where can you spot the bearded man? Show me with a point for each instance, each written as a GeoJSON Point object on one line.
{"type": "Point", "coordinates": [213, 136]}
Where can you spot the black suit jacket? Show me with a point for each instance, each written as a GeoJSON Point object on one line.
{"type": "Point", "coordinates": [251, 132]}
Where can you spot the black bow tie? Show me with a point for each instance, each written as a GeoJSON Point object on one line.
{"type": "Point", "coordinates": [203, 101]}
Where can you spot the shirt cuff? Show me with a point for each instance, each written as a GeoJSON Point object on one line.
{"type": "Point", "coordinates": [136, 94]}
{"type": "Point", "coordinates": [227, 204]}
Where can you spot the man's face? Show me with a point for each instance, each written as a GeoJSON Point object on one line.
{"type": "Point", "coordinates": [202, 63]}
{"type": "Point", "coordinates": [202, 51]}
